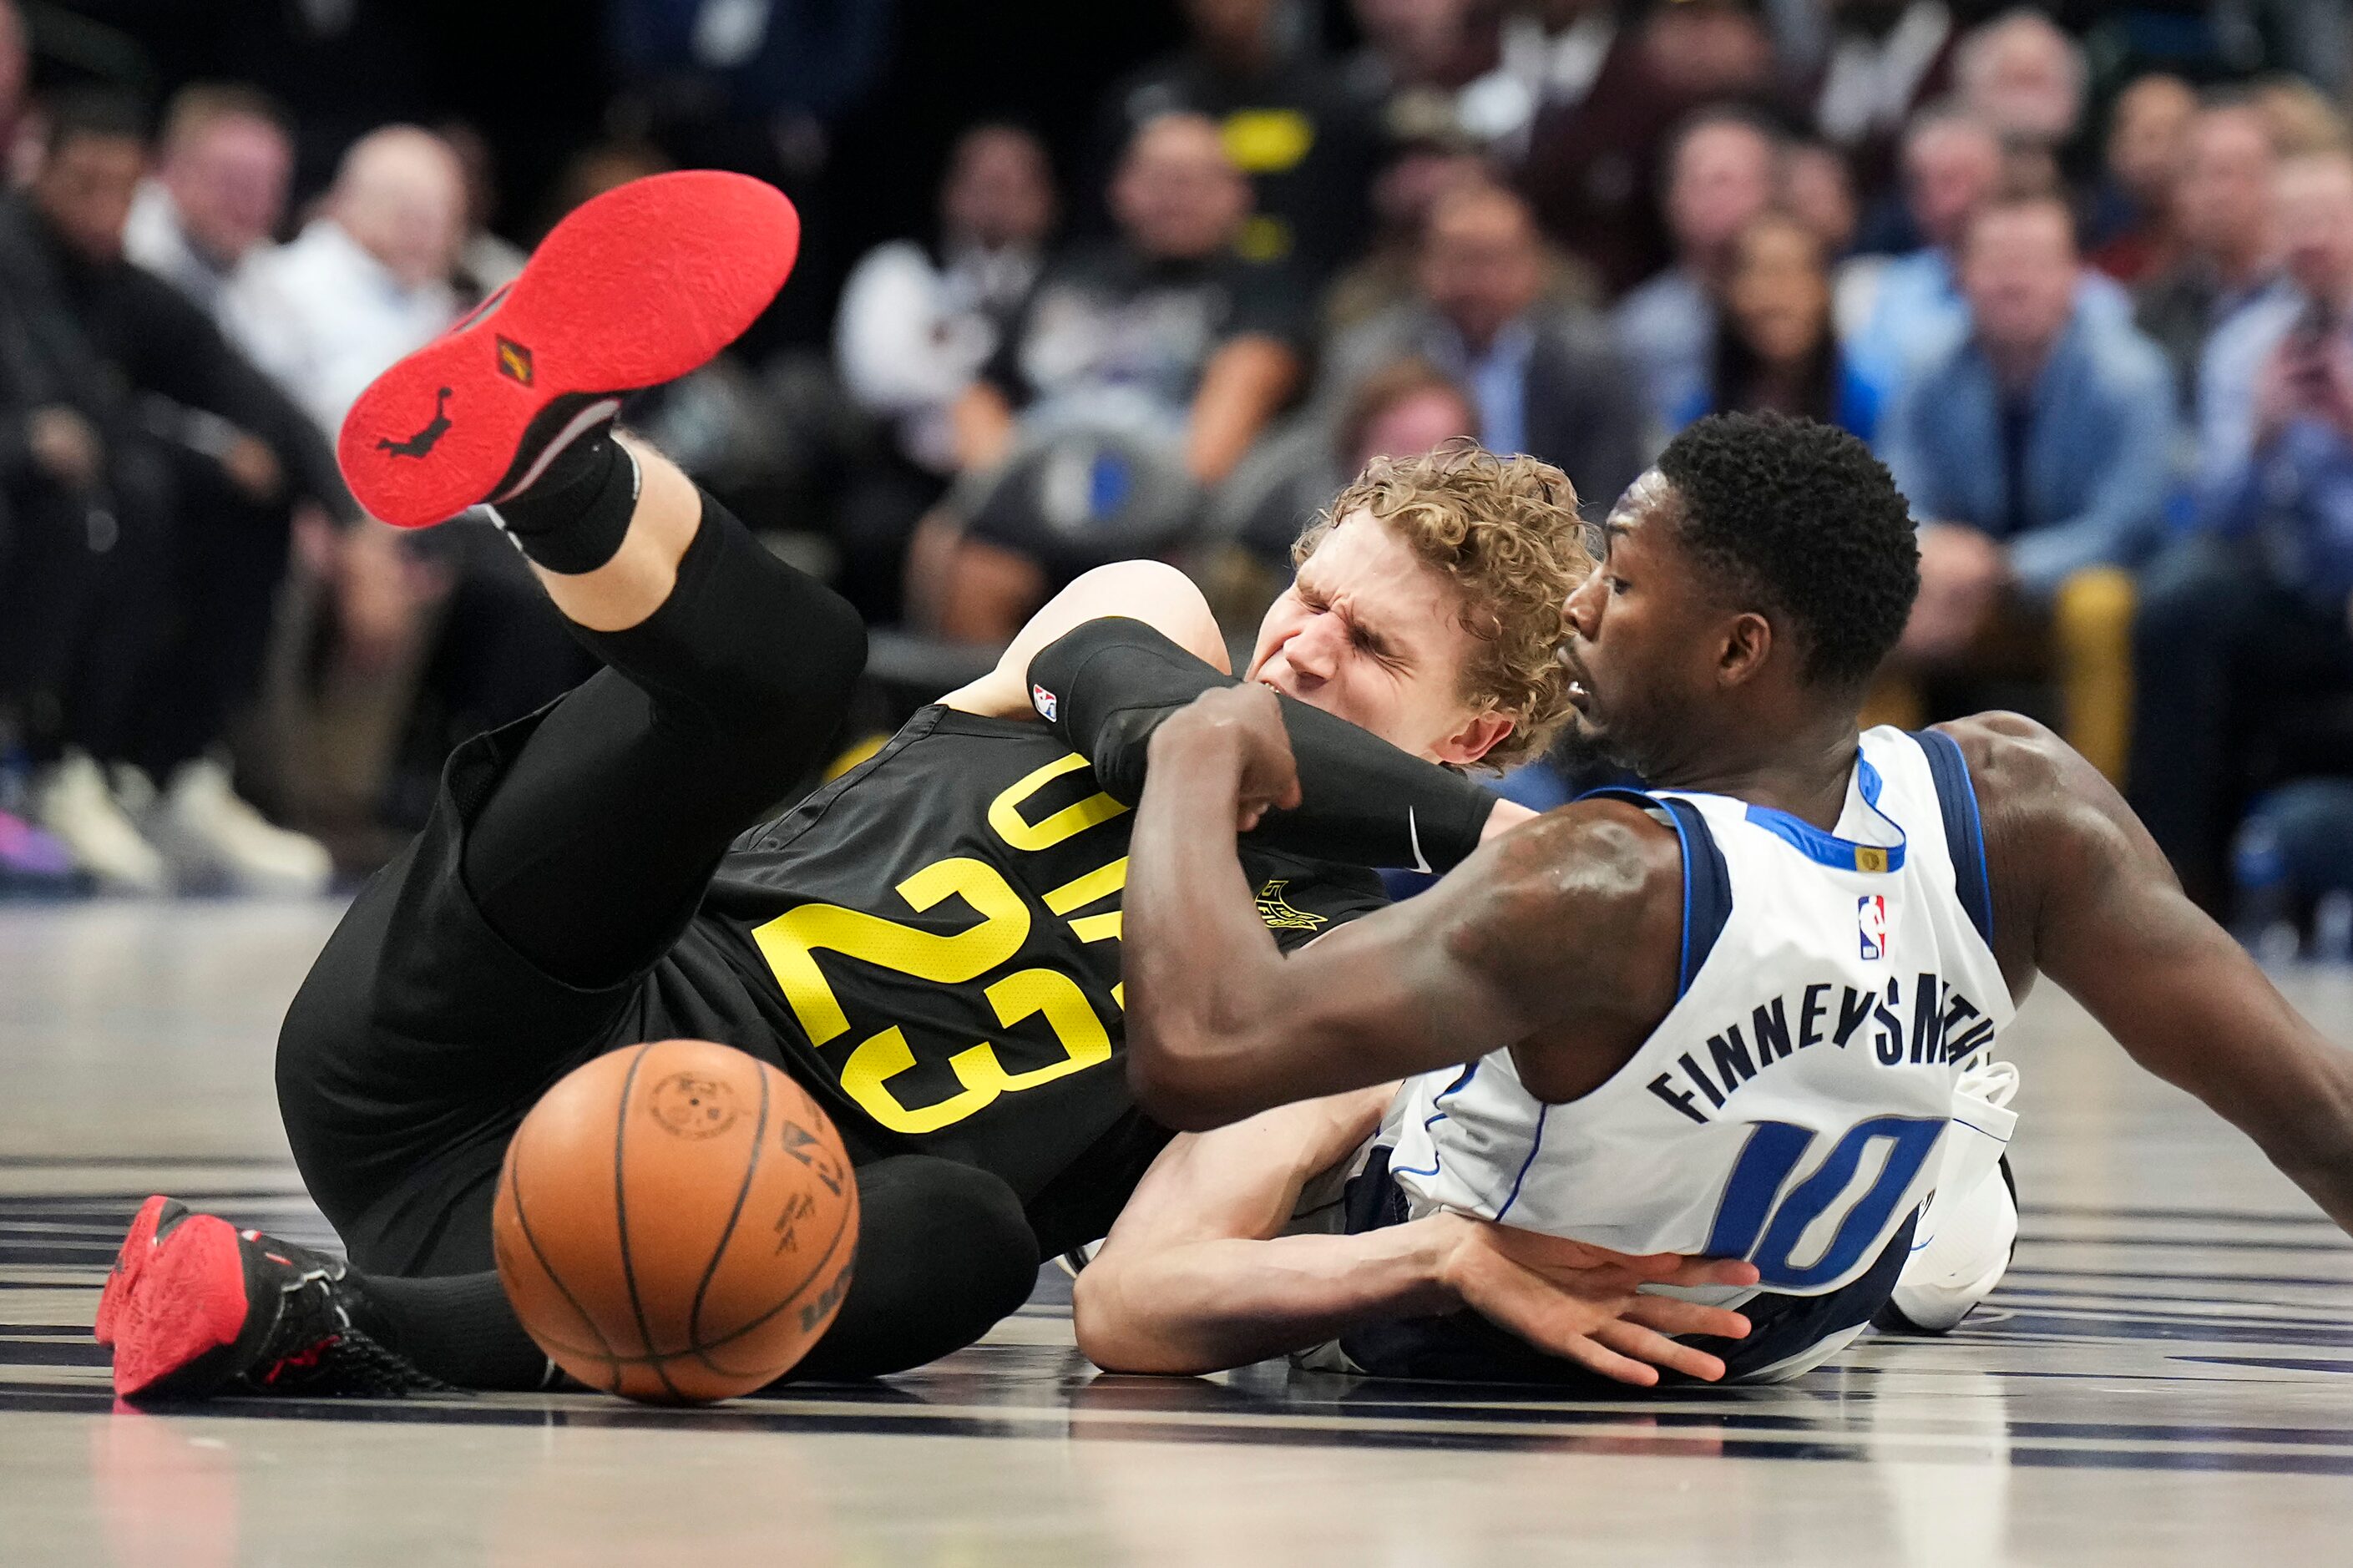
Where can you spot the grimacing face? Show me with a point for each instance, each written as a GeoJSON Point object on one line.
{"type": "Point", "coordinates": [1371, 633]}
{"type": "Point", "coordinates": [1636, 645]}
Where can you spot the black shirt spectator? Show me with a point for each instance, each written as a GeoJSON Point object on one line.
{"type": "Point", "coordinates": [1109, 324]}
{"type": "Point", "coordinates": [1290, 122]}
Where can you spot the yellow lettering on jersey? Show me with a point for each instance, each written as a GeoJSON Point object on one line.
{"type": "Point", "coordinates": [1097, 928]}
{"type": "Point", "coordinates": [1005, 817]}
{"type": "Point", "coordinates": [791, 940]}
{"type": "Point", "coordinates": [1046, 992]}
{"type": "Point", "coordinates": [1079, 892]}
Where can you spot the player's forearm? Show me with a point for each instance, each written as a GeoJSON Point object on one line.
{"type": "Point", "coordinates": [1208, 1305]}
{"type": "Point", "coordinates": [1111, 681]}
{"type": "Point", "coordinates": [1202, 972]}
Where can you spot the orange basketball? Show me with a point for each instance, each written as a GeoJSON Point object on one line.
{"type": "Point", "coordinates": [676, 1222]}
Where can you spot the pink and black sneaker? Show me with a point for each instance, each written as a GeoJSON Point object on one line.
{"type": "Point", "coordinates": [633, 288]}
{"type": "Point", "coordinates": [195, 1307]}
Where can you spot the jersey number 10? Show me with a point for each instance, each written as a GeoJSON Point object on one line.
{"type": "Point", "coordinates": [1758, 1222]}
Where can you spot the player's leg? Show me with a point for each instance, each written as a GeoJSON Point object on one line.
{"type": "Point", "coordinates": [434, 1012]}
{"type": "Point", "coordinates": [944, 1254]}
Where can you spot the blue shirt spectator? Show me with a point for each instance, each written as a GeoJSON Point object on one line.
{"type": "Point", "coordinates": [2049, 427]}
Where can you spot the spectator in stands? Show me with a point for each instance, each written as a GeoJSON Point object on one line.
{"type": "Point", "coordinates": [1417, 56]}
{"type": "Point", "coordinates": [1543, 377]}
{"type": "Point", "coordinates": [369, 279]}
{"type": "Point", "coordinates": [2134, 229]}
{"type": "Point", "coordinates": [208, 216]}
{"type": "Point", "coordinates": [191, 457]}
{"type": "Point", "coordinates": [2218, 309]}
{"type": "Point", "coordinates": [1423, 167]}
{"type": "Point", "coordinates": [1774, 346]}
{"type": "Point", "coordinates": [1910, 310]}
{"type": "Point", "coordinates": [1612, 87]}
{"type": "Point", "coordinates": [1818, 190]}
{"type": "Point", "coordinates": [1164, 339]}
{"type": "Point", "coordinates": [2242, 628]}
{"type": "Point", "coordinates": [917, 323]}
{"type": "Point", "coordinates": [2035, 452]}
{"type": "Point", "coordinates": [1722, 169]}
{"type": "Point", "coordinates": [1886, 58]}
{"type": "Point", "coordinates": [1409, 405]}
{"type": "Point", "coordinates": [2024, 77]}
{"type": "Point", "coordinates": [1304, 141]}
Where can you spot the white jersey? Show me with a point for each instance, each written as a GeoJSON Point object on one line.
{"type": "Point", "coordinates": [1789, 1108]}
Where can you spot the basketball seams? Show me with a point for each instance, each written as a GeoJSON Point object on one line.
{"type": "Point", "coordinates": [621, 1212]}
{"type": "Point", "coordinates": [848, 1223]}
{"type": "Point", "coordinates": [522, 1222]}
{"type": "Point", "coordinates": [727, 1235]}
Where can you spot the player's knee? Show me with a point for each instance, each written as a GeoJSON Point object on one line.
{"type": "Point", "coordinates": [923, 1221]}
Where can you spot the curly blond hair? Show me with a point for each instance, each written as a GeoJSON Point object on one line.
{"type": "Point", "coordinates": [1506, 531]}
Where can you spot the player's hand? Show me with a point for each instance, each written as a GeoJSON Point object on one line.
{"type": "Point", "coordinates": [1585, 1303]}
{"type": "Point", "coordinates": [1242, 725]}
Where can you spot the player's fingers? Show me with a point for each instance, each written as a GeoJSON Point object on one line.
{"type": "Point", "coordinates": [1596, 1357]}
{"type": "Point", "coordinates": [1670, 1315]}
{"type": "Point", "coordinates": [1639, 1344]}
{"type": "Point", "coordinates": [1712, 1271]}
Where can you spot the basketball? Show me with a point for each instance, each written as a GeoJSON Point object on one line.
{"type": "Point", "coordinates": [676, 1223]}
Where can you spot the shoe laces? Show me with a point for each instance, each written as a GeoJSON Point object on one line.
{"type": "Point", "coordinates": [312, 1348]}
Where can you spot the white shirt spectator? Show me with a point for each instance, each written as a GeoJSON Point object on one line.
{"type": "Point", "coordinates": [353, 317]}
{"type": "Point", "coordinates": [912, 334]}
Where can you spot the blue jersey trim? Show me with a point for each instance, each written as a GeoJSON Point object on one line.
{"type": "Point", "coordinates": [1829, 849]}
{"type": "Point", "coordinates": [1957, 795]}
{"type": "Point", "coordinates": [1707, 881]}
{"type": "Point", "coordinates": [1534, 1143]}
{"type": "Point", "coordinates": [1438, 1114]}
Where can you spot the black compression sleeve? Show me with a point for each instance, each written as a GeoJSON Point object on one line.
{"type": "Point", "coordinates": [1107, 685]}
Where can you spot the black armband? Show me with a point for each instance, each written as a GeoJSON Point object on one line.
{"type": "Point", "coordinates": [1107, 685]}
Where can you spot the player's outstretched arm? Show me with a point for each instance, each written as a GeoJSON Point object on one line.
{"type": "Point", "coordinates": [1500, 953]}
{"type": "Point", "coordinates": [1195, 1277]}
{"type": "Point", "coordinates": [2081, 892]}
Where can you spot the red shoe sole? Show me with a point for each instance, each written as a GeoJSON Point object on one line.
{"type": "Point", "coordinates": [188, 1301]}
{"type": "Point", "coordinates": [130, 1262]}
{"type": "Point", "coordinates": [634, 288]}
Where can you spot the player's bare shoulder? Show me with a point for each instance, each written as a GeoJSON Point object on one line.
{"type": "Point", "coordinates": [1542, 892]}
{"type": "Point", "coordinates": [2055, 829]}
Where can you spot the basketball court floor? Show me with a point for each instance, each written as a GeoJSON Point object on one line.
{"type": "Point", "coordinates": [2166, 1376]}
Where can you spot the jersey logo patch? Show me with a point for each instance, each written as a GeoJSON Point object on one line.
{"type": "Point", "coordinates": [1044, 701]}
{"type": "Point", "coordinates": [1278, 914]}
{"type": "Point", "coordinates": [1871, 914]}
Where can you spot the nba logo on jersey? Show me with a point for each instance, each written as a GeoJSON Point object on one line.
{"type": "Point", "coordinates": [1044, 700]}
{"type": "Point", "coordinates": [1871, 914]}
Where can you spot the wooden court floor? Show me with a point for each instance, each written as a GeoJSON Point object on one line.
{"type": "Point", "coordinates": [2166, 1376]}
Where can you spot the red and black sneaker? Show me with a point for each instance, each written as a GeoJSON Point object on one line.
{"type": "Point", "coordinates": [633, 288]}
{"type": "Point", "coordinates": [199, 1308]}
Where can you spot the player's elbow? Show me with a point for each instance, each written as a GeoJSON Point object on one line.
{"type": "Point", "coordinates": [1113, 1335]}
{"type": "Point", "coordinates": [1174, 1089]}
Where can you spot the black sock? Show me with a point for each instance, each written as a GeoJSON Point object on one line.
{"type": "Point", "coordinates": [459, 1328]}
{"type": "Point", "coordinates": [573, 517]}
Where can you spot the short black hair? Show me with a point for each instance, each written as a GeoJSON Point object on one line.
{"type": "Point", "coordinates": [94, 111]}
{"type": "Point", "coordinates": [1800, 516]}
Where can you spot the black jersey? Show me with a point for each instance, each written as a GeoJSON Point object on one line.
{"type": "Point", "coordinates": [935, 937]}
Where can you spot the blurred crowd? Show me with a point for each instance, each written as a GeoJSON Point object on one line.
{"type": "Point", "coordinates": [2081, 276]}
